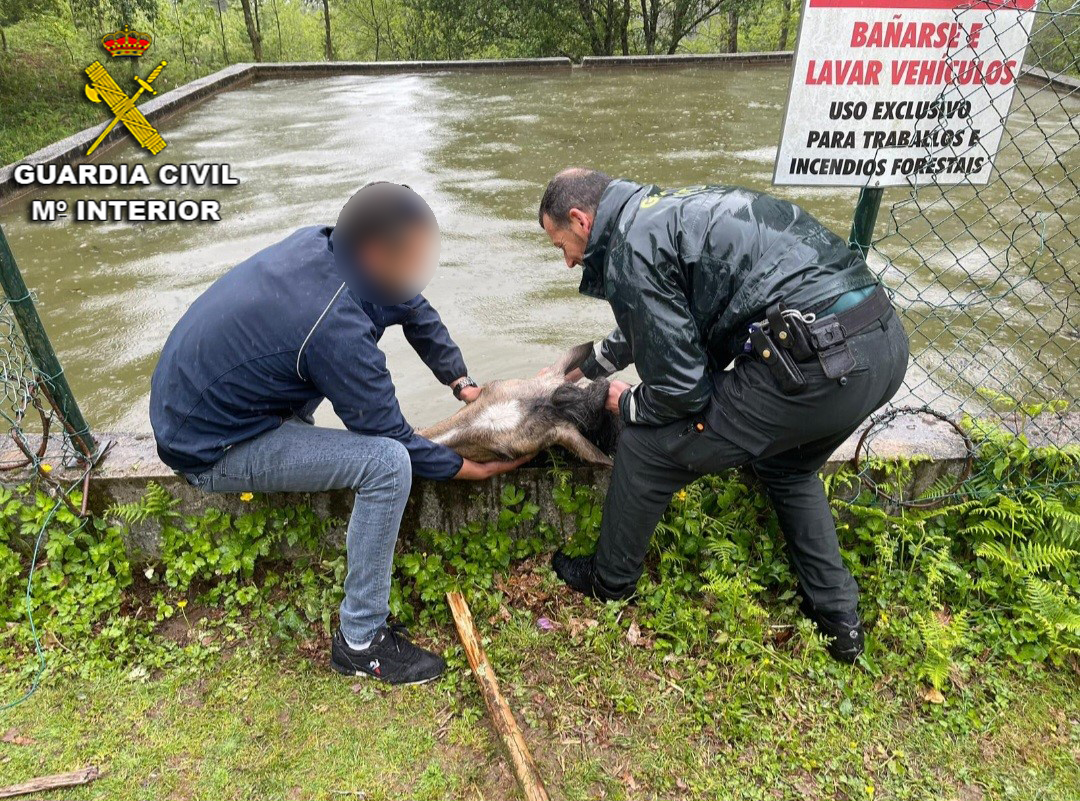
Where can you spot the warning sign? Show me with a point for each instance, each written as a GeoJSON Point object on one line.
{"type": "Point", "coordinates": [909, 92]}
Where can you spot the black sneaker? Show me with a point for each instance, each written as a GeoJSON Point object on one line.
{"type": "Point", "coordinates": [843, 632]}
{"type": "Point", "coordinates": [579, 572]}
{"type": "Point", "coordinates": [390, 657]}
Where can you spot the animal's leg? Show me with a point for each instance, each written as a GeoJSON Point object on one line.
{"type": "Point", "coordinates": [572, 439]}
{"type": "Point", "coordinates": [567, 361]}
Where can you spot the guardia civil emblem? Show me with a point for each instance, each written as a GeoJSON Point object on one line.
{"type": "Point", "coordinates": [103, 89]}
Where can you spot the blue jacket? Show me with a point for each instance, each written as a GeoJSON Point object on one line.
{"type": "Point", "coordinates": [274, 336]}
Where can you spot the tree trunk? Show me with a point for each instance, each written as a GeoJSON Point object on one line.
{"type": "Point", "coordinates": [180, 27]}
{"type": "Point", "coordinates": [585, 9]}
{"type": "Point", "coordinates": [378, 28]}
{"type": "Point", "coordinates": [221, 26]}
{"type": "Point", "coordinates": [277, 22]}
{"type": "Point", "coordinates": [733, 31]}
{"type": "Point", "coordinates": [650, 16]}
{"type": "Point", "coordinates": [252, 31]}
{"type": "Point", "coordinates": [609, 28]}
{"type": "Point", "coordinates": [3, 38]}
{"type": "Point", "coordinates": [784, 23]}
{"type": "Point", "coordinates": [326, 21]}
{"type": "Point", "coordinates": [624, 35]}
{"type": "Point", "coordinates": [258, 25]}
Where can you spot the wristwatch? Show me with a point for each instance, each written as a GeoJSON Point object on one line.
{"type": "Point", "coordinates": [460, 384]}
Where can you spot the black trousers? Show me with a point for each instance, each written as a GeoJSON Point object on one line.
{"type": "Point", "coordinates": [785, 439]}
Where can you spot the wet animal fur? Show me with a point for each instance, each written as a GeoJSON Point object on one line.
{"type": "Point", "coordinates": [516, 417]}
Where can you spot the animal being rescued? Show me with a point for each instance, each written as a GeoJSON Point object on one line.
{"type": "Point", "coordinates": [518, 417]}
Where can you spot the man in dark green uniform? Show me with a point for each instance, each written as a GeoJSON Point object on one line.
{"type": "Point", "coordinates": [699, 278]}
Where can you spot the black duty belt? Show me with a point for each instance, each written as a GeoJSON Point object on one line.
{"type": "Point", "coordinates": [863, 314]}
{"type": "Point", "coordinates": [787, 336]}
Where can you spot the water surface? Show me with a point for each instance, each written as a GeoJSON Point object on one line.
{"type": "Point", "coordinates": [479, 147]}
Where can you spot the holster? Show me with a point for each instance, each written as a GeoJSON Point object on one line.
{"type": "Point", "coordinates": [828, 340]}
{"type": "Point", "coordinates": [789, 332]}
{"type": "Point", "coordinates": [778, 359]}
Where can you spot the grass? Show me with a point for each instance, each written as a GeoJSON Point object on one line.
{"type": "Point", "coordinates": [606, 717]}
{"type": "Point", "coordinates": [43, 102]}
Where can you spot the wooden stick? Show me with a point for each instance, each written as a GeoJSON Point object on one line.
{"type": "Point", "coordinates": [76, 777]}
{"type": "Point", "coordinates": [501, 716]}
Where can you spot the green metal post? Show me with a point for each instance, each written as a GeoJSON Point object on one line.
{"type": "Point", "coordinates": [862, 224]}
{"type": "Point", "coordinates": [41, 351]}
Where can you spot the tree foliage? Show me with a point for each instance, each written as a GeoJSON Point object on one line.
{"type": "Point", "coordinates": [204, 34]}
{"type": "Point", "coordinates": [46, 44]}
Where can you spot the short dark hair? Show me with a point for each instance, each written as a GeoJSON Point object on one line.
{"type": "Point", "coordinates": [573, 188]}
{"type": "Point", "coordinates": [381, 211]}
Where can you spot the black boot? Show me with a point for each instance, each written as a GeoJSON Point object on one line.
{"type": "Point", "coordinates": [579, 572]}
{"type": "Point", "coordinates": [843, 632]}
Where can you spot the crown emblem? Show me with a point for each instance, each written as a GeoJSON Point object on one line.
{"type": "Point", "coordinates": [126, 42]}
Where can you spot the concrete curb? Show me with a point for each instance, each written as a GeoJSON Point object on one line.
{"type": "Point", "coordinates": [308, 68]}
{"type": "Point", "coordinates": [132, 463]}
{"type": "Point", "coordinates": [1059, 81]}
{"type": "Point", "coordinates": [735, 60]}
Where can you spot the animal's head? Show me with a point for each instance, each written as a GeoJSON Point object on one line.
{"type": "Point", "coordinates": [583, 406]}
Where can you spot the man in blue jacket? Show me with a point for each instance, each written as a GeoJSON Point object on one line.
{"type": "Point", "coordinates": [242, 372]}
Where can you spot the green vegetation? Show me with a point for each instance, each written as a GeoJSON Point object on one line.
{"type": "Point", "coordinates": [202, 674]}
{"type": "Point", "coordinates": [604, 718]}
{"type": "Point", "coordinates": [44, 46]}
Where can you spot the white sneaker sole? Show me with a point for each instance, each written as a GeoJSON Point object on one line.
{"type": "Point", "coordinates": [366, 675]}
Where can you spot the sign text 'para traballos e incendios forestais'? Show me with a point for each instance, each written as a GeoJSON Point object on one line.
{"type": "Point", "coordinates": [914, 92]}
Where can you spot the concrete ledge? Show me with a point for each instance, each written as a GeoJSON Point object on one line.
{"type": "Point", "coordinates": [307, 68]}
{"type": "Point", "coordinates": [1058, 80]}
{"type": "Point", "coordinates": [132, 463]}
{"type": "Point", "coordinates": [735, 60]}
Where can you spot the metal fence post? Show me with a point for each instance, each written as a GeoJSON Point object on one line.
{"type": "Point", "coordinates": [862, 224]}
{"type": "Point", "coordinates": [42, 353]}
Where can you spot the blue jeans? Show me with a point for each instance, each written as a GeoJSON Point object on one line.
{"type": "Point", "coordinates": [299, 457]}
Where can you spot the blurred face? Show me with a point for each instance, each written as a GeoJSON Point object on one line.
{"type": "Point", "coordinates": [401, 264]}
{"type": "Point", "coordinates": [572, 238]}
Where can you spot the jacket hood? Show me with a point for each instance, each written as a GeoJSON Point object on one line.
{"type": "Point", "coordinates": [612, 202]}
{"type": "Point", "coordinates": [356, 279]}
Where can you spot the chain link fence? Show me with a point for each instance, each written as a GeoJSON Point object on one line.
{"type": "Point", "coordinates": [988, 277]}
{"type": "Point", "coordinates": [45, 427]}
{"type": "Point", "coordinates": [38, 438]}
{"type": "Point", "coordinates": [47, 440]}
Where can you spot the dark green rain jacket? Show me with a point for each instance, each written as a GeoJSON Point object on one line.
{"type": "Point", "coordinates": [686, 271]}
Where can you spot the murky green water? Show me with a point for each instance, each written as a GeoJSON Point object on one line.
{"type": "Point", "coordinates": [480, 147]}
